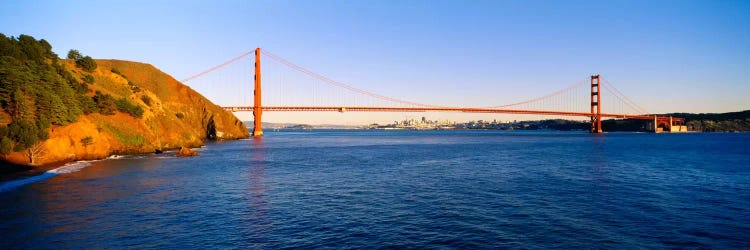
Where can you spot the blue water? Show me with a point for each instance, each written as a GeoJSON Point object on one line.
{"type": "Point", "coordinates": [363, 189]}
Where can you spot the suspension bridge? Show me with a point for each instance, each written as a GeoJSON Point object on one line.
{"type": "Point", "coordinates": [583, 99]}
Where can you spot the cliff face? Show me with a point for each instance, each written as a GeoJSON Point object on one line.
{"type": "Point", "coordinates": [173, 116]}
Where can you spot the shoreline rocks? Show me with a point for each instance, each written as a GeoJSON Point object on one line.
{"type": "Point", "coordinates": [186, 152]}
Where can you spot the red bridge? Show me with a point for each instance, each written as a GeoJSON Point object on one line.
{"type": "Point", "coordinates": [555, 104]}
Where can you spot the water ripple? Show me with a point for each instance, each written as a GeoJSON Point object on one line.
{"type": "Point", "coordinates": [398, 189]}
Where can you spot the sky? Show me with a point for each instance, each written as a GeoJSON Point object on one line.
{"type": "Point", "coordinates": [667, 56]}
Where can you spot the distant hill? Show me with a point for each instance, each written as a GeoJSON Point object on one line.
{"type": "Point", "coordinates": [717, 122]}
{"type": "Point", "coordinates": [739, 115]}
{"type": "Point", "coordinates": [57, 110]}
{"type": "Point", "coordinates": [703, 122]}
{"type": "Point", "coordinates": [274, 125]}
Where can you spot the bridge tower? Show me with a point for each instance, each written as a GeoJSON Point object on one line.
{"type": "Point", "coordinates": [257, 110]}
{"type": "Point", "coordinates": [596, 105]}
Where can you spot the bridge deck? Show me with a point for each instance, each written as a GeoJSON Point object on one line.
{"type": "Point", "coordinates": [443, 109]}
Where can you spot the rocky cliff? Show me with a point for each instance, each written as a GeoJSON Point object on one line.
{"type": "Point", "coordinates": [173, 116]}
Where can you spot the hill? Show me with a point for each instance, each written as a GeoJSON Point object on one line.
{"type": "Point", "coordinates": [717, 122]}
{"type": "Point", "coordinates": [58, 110]}
{"type": "Point", "coordinates": [702, 122]}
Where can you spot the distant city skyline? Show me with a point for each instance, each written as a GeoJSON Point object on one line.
{"type": "Point", "coordinates": [668, 56]}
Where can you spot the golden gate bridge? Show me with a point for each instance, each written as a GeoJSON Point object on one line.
{"type": "Point", "coordinates": [564, 102]}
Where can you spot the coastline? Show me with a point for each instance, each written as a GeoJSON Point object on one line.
{"type": "Point", "coordinates": [13, 172]}
{"type": "Point", "coordinates": [21, 175]}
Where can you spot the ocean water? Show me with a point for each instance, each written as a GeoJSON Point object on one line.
{"type": "Point", "coordinates": [365, 189]}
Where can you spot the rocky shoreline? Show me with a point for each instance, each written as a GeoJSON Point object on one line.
{"type": "Point", "coordinates": [10, 171]}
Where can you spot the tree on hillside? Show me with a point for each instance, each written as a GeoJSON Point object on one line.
{"type": "Point", "coordinates": [24, 133]}
{"type": "Point", "coordinates": [88, 105]}
{"type": "Point", "coordinates": [33, 49]}
{"type": "Point", "coordinates": [53, 110]}
{"type": "Point", "coordinates": [6, 145]}
{"type": "Point", "coordinates": [21, 106]}
{"type": "Point", "coordinates": [37, 91]}
{"type": "Point", "coordinates": [86, 63]}
{"type": "Point", "coordinates": [88, 79]}
{"type": "Point", "coordinates": [47, 48]}
{"type": "Point", "coordinates": [35, 152]}
{"type": "Point", "coordinates": [105, 103]}
{"type": "Point", "coordinates": [125, 106]}
{"type": "Point", "coordinates": [74, 55]}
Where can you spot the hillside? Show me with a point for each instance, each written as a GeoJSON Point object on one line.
{"type": "Point", "coordinates": [718, 122]}
{"type": "Point", "coordinates": [703, 122]}
{"type": "Point", "coordinates": [57, 110]}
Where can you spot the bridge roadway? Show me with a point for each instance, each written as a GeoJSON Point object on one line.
{"type": "Point", "coordinates": [445, 109]}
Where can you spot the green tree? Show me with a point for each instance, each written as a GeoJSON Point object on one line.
{"type": "Point", "coordinates": [47, 48]}
{"type": "Point", "coordinates": [32, 49]}
{"type": "Point", "coordinates": [116, 71]}
{"type": "Point", "coordinates": [86, 63]}
{"type": "Point", "coordinates": [88, 79]}
{"type": "Point", "coordinates": [87, 104]}
{"type": "Point", "coordinates": [22, 107]}
{"type": "Point", "coordinates": [6, 145]}
{"type": "Point", "coordinates": [24, 133]}
{"type": "Point", "coordinates": [8, 47]}
{"type": "Point", "coordinates": [52, 108]}
{"type": "Point", "coordinates": [74, 55]}
{"type": "Point", "coordinates": [37, 91]}
{"type": "Point", "coordinates": [146, 100]}
{"type": "Point", "coordinates": [105, 103]}
{"type": "Point", "coordinates": [125, 106]}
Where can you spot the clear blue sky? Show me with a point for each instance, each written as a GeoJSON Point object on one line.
{"type": "Point", "coordinates": [668, 56]}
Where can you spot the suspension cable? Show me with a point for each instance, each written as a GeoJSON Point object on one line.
{"type": "Point", "coordinates": [218, 66]}
{"type": "Point", "coordinates": [339, 84]}
{"type": "Point", "coordinates": [624, 98]}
